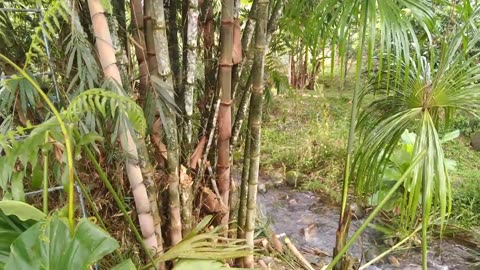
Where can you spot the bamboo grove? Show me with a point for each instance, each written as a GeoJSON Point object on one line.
{"type": "Point", "coordinates": [161, 93]}
{"type": "Point", "coordinates": [184, 63]}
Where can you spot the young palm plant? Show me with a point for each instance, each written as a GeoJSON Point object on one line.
{"type": "Point", "coordinates": [393, 20]}
{"type": "Point", "coordinates": [424, 98]}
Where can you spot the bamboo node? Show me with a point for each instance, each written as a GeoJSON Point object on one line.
{"type": "Point", "coordinates": [226, 22]}
{"type": "Point", "coordinates": [226, 103]}
{"type": "Point", "coordinates": [97, 13]}
{"type": "Point", "coordinates": [223, 167]}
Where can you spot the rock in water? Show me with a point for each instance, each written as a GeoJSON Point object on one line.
{"type": "Point", "coordinates": [357, 210]}
{"type": "Point", "coordinates": [294, 179]}
{"type": "Point", "coordinates": [262, 188]}
{"type": "Point", "coordinates": [393, 261]}
{"type": "Point", "coordinates": [475, 142]}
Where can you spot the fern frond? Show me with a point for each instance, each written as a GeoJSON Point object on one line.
{"type": "Point", "coordinates": [50, 26]}
{"type": "Point", "coordinates": [108, 104]}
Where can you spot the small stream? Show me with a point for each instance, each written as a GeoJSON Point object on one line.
{"type": "Point", "coordinates": [311, 223]}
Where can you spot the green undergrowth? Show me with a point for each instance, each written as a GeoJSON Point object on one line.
{"type": "Point", "coordinates": [306, 131]}
{"type": "Point", "coordinates": [465, 183]}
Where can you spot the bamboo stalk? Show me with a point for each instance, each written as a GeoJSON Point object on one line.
{"type": "Point", "coordinates": [255, 123]}
{"type": "Point", "coordinates": [169, 123]}
{"type": "Point", "coordinates": [171, 8]}
{"type": "Point", "coordinates": [246, 40]}
{"type": "Point", "coordinates": [243, 106]}
{"type": "Point", "coordinates": [106, 54]}
{"type": "Point", "coordinates": [140, 49]}
{"type": "Point", "coordinates": [190, 64]}
{"type": "Point", "coordinates": [225, 114]}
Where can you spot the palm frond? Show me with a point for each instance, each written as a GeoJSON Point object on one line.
{"type": "Point", "coordinates": [207, 246]}
{"type": "Point", "coordinates": [424, 98]}
{"type": "Point", "coordinates": [80, 59]}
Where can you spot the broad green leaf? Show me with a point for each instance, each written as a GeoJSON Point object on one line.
{"type": "Point", "coordinates": [21, 210]}
{"type": "Point", "coordinates": [125, 265]}
{"type": "Point", "coordinates": [450, 136]}
{"type": "Point", "coordinates": [49, 245]}
{"type": "Point", "coordinates": [15, 218]}
{"type": "Point", "coordinates": [189, 264]}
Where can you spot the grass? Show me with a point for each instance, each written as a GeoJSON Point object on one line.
{"type": "Point", "coordinates": [465, 183]}
{"type": "Point", "coordinates": [305, 131]}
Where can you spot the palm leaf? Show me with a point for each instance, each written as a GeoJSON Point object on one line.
{"type": "Point", "coordinates": [422, 100]}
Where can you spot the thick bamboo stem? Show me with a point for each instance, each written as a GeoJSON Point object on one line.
{"type": "Point", "coordinates": [107, 58]}
{"type": "Point", "coordinates": [140, 49]}
{"type": "Point", "coordinates": [149, 43]}
{"type": "Point", "coordinates": [171, 8]}
{"type": "Point", "coordinates": [191, 64]}
{"type": "Point", "coordinates": [169, 123]}
{"type": "Point", "coordinates": [225, 114]}
{"type": "Point", "coordinates": [243, 106]}
{"type": "Point", "coordinates": [246, 39]}
{"type": "Point", "coordinates": [255, 123]}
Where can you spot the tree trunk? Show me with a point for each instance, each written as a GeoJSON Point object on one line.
{"type": "Point", "coordinates": [169, 123]}
{"type": "Point", "coordinates": [225, 114]}
{"type": "Point", "coordinates": [255, 123]}
{"type": "Point", "coordinates": [106, 54]}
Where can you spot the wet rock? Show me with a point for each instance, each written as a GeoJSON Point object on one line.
{"type": "Point", "coordinates": [267, 259]}
{"type": "Point", "coordinates": [276, 175]}
{"type": "Point", "coordinates": [475, 142]}
{"type": "Point", "coordinates": [292, 202]}
{"type": "Point", "coordinates": [372, 253]}
{"type": "Point", "coordinates": [373, 267]}
{"type": "Point", "coordinates": [278, 182]}
{"type": "Point", "coordinates": [269, 185]}
{"type": "Point", "coordinates": [309, 232]}
{"type": "Point", "coordinates": [262, 188]}
{"type": "Point", "coordinates": [294, 179]}
{"type": "Point", "coordinates": [314, 260]}
{"type": "Point", "coordinates": [393, 261]}
{"type": "Point", "coordinates": [357, 210]}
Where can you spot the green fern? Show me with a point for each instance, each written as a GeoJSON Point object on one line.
{"type": "Point", "coordinates": [108, 104]}
{"type": "Point", "coordinates": [21, 159]}
{"type": "Point", "coordinates": [50, 26]}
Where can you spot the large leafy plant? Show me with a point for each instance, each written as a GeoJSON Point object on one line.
{"type": "Point", "coordinates": [397, 164]}
{"type": "Point", "coordinates": [32, 240]}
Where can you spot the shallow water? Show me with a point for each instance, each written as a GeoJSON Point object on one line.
{"type": "Point", "coordinates": [311, 223]}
